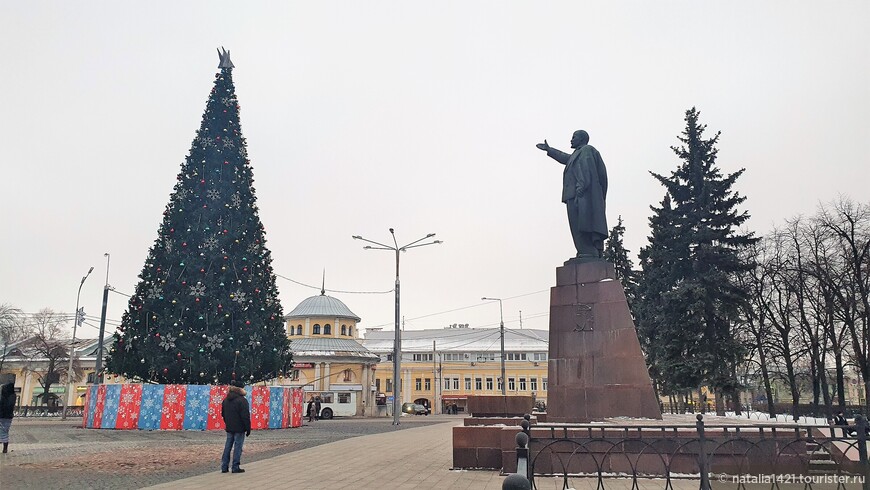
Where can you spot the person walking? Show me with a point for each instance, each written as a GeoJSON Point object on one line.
{"type": "Point", "coordinates": [317, 408]}
{"type": "Point", "coordinates": [237, 419]}
{"type": "Point", "coordinates": [7, 407]}
{"type": "Point", "coordinates": [311, 409]}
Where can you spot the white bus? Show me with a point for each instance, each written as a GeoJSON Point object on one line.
{"type": "Point", "coordinates": [332, 403]}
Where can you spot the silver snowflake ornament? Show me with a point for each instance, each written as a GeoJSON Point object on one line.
{"type": "Point", "coordinates": [167, 341]}
{"type": "Point", "coordinates": [198, 290]}
{"type": "Point", "coordinates": [155, 292]}
{"type": "Point", "coordinates": [228, 143]}
{"type": "Point", "coordinates": [214, 342]}
{"type": "Point", "coordinates": [236, 200]}
{"type": "Point", "coordinates": [213, 194]}
{"type": "Point", "coordinates": [210, 243]}
{"type": "Point", "coordinates": [253, 248]}
{"type": "Point", "coordinates": [239, 296]}
{"type": "Point", "coordinates": [255, 339]}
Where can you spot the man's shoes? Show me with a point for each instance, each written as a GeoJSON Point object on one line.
{"type": "Point", "coordinates": [224, 471]}
{"type": "Point", "coordinates": [238, 470]}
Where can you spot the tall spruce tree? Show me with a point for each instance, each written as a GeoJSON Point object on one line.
{"type": "Point", "coordinates": [690, 293]}
{"type": "Point", "coordinates": [206, 308]}
{"type": "Point", "coordinates": [616, 253]}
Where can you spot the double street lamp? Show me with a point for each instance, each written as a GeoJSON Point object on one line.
{"type": "Point", "coordinates": [79, 318]}
{"type": "Point", "coordinates": [397, 344]}
{"type": "Point", "coordinates": [501, 330]}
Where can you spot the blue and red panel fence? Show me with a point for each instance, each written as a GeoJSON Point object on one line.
{"type": "Point", "coordinates": [186, 407]}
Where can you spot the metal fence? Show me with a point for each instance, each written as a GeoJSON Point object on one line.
{"type": "Point", "coordinates": [46, 411]}
{"type": "Point", "coordinates": [728, 455]}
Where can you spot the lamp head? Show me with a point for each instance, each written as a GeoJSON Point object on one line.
{"type": "Point", "coordinates": [356, 237]}
{"type": "Point", "coordinates": [392, 232]}
{"type": "Point", "coordinates": [90, 270]}
{"type": "Point", "coordinates": [430, 235]}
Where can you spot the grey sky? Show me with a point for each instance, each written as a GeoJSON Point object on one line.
{"type": "Point", "coordinates": [361, 116]}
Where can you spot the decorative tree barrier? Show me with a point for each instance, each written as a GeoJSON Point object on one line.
{"type": "Point", "coordinates": [186, 407]}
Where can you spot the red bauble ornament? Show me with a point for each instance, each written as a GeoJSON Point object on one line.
{"type": "Point", "coordinates": [202, 181]}
{"type": "Point", "coordinates": [157, 334]}
{"type": "Point", "coordinates": [197, 300]}
{"type": "Point", "coordinates": [165, 371]}
{"type": "Point", "coordinates": [247, 322]}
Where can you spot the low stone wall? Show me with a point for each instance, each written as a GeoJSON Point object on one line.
{"type": "Point", "coordinates": [186, 407]}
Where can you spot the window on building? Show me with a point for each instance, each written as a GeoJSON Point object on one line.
{"type": "Point", "coordinates": [534, 384]}
{"type": "Point", "coordinates": [389, 358]}
{"type": "Point", "coordinates": [316, 330]}
{"type": "Point", "coordinates": [418, 384]}
{"type": "Point", "coordinates": [485, 356]}
{"type": "Point", "coordinates": [291, 330]}
{"type": "Point", "coordinates": [515, 356]}
{"type": "Point", "coordinates": [544, 384]}
{"type": "Point", "coordinates": [522, 384]}
{"type": "Point", "coordinates": [489, 384]}
{"type": "Point", "coordinates": [350, 331]}
{"type": "Point", "coordinates": [478, 384]}
{"type": "Point", "coordinates": [446, 384]}
{"type": "Point", "coordinates": [423, 357]}
{"type": "Point", "coordinates": [500, 383]}
{"type": "Point", "coordinates": [327, 329]}
{"type": "Point", "coordinates": [92, 378]}
{"type": "Point", "coordinates": [298, 329]}
{"type": "Point", "coordinates": [467, 384]}
{"type": "Point", "coordinates": [389, 385]}
{"type": "Point", "coordinates": [344, 329]}
{"type": "Point", "coordinates": [428, 384]}
{"type": "Point", "coordinates": [377, 386]}
{"type": "Point", "coordinates": [294, 375]}
{"type": "Point", "coordinates": [344, 398]}
{"type": "Point", "coordinates": [348, 375]}
{"type": "Point", "coordinates": [455, 356]}
{"type": "Point", "coordinates": [512, 384]}
{"type": "Point", "coordinates": [540, 356]}
{"type": "Point", "coordinates": [455, 383]}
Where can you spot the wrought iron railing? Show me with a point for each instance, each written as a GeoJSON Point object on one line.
{"type": "Point", "coordinates": [46, 411]}
{"type": "Point", "coordinates": [731, 456]}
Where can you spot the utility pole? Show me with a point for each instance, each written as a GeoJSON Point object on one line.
{"type": "Point", "coordinates": [434, 378]}
{"type": "Point", "coordinates": [501, 331]}
{"type": "Point", "coordinates": [98, 369]}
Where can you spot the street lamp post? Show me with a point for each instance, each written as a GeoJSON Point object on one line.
{"type": "Point", "coordinates": [397, 343]}
{"type": "Point", "coordinates": [78, 318]}
{"type": "Point", "coordinates": [501, 330]}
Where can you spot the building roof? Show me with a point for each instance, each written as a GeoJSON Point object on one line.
{"type": "Point", "coordinates": [321, 305]}
{"type": "Point", "coordinates": [459, 340]}
{"type": "Point", "coordinates": [330, 347]}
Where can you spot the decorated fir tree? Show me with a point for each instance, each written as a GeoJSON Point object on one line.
{"type": "Point", "coordinates": [206, 308]}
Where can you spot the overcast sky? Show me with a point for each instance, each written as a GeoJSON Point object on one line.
{"type": "Point", "coordinates": [421, 116]}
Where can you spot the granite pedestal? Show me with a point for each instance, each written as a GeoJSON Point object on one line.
{"type": "Point", "coordinates": [596, 367]}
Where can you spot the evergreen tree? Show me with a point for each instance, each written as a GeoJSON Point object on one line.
{"type": "Point", "coordinates": [691, 296]}
{"type": "Point", "coordinates": [206, 308]}
{"type": "Point", "coordinates": [616, 253]}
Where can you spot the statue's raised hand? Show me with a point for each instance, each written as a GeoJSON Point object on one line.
{"type": "Point", "coordinates": [543, 146]}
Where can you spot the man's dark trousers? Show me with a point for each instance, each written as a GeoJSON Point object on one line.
{"type": "Point", "coordinates": [236, 439]}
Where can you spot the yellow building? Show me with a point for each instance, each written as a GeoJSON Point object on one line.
{"type": "Point", "coordinates": [328, 360]}
{"type": "Point", "coordinates": [441, 367]}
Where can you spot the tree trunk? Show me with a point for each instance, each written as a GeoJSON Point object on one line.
{"type": "Point", "coordinates": [841, 384]}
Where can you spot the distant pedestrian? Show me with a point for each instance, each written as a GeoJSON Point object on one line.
{"type": "Point", "coordinates": [311, 409]}
{"type": "Point", "coordinates": [7, 407]}
{"type": "Point", "coordinates": [841, 421]}
{"type": "Point", "coordinates": [317, 401]}
{"type": "Point", "coordinates": [237, 419]}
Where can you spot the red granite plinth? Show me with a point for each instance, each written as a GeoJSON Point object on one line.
{"type": "Point", "coordinates": [596, 367]}
{"type": "Point", "coordinates": [500, 405]}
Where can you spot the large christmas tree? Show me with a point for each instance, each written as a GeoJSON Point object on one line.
{"type": "Point", "coordinates": [206, 309]}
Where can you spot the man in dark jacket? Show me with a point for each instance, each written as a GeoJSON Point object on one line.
{"type": "Point", "coordinates": [237, 418]}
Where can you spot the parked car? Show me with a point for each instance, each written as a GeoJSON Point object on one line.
{"type": "Point", "coordinates": [415, 409]}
